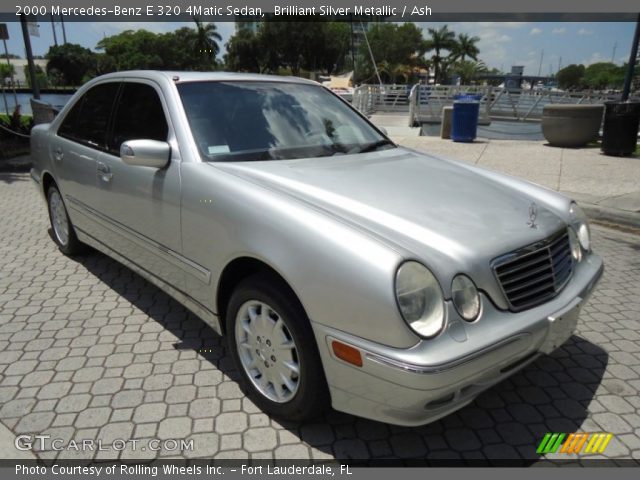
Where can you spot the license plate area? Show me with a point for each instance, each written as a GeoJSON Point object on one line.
{"type": "Point", "coordinates": [561, 326]}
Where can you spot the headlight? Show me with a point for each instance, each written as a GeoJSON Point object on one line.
{"type": "Point", "coordinates": [420, 299]}
{"type": "Point", "coordinates": [465, 297]}
{"type": "Point", "coordinates": [576, 251]}
{"type": "Point", "coordinates": [581, 225]}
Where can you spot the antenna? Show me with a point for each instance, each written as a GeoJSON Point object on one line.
{"type": "Point", "coordinates": [541, 57]}
{"type": "Point", "coordinates": [613, 53]}
{"type": "Point", "coordinates": [373, 60]}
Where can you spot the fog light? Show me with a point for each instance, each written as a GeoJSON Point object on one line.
{"type": "Point", "coordinates": [465, 297]}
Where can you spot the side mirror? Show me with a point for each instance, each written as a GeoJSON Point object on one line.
{"type": "Point", "coordinates": [384, 131]}
{"type": "Point", "coordinates": [145, 153]}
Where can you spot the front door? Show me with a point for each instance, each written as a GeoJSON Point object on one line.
{"type": "Point", "coordinates": [140, 206]}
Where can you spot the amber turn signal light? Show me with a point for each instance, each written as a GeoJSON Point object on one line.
{"type": "Point", "coordinates": [347, 353]}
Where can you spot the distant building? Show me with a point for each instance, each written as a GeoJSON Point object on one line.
{"type": "Point", "coordinates": [359, 30]}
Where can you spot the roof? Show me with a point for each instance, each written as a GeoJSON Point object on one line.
{"type": "Point", "coordinates": [208, 76]}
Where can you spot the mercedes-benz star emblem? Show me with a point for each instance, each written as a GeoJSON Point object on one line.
{"type": "Point", "coordinates": [533, 214]}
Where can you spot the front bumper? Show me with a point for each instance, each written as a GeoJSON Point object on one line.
{"type": "Point", "coordinates": [438, 376]}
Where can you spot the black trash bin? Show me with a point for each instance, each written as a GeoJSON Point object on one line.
{"type": "Point", "coordinates": [620, 131]}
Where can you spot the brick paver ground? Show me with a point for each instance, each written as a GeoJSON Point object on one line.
{"type": "Point", "coordinates": [89, 350]}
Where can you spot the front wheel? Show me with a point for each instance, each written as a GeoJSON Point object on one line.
{"type": "Point", "coordinates": [63, 232]}
{"type": "Point", "coordinates": [272, 344]}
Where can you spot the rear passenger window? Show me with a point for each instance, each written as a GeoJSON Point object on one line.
{"type": "Point", "coordinates": [139, 115]}
{"type": "Point", "coordinates": [88, 120]}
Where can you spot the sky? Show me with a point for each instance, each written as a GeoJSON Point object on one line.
{"type": "Point", "coordinates": [502, 44]}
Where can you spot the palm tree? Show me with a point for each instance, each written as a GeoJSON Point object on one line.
{"type": "Point", "coordinates": [207, 38]}
{"type": "Point", "coordinates": [465, 46]}
{"type": "Point", "coordinates": [441, 39]}
{"type": "Point", "coordinates": [469, 70]}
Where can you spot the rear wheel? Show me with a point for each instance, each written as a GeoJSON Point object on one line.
{"type": "Point", "coordinates": [63, 232]}
{"type": "Point", "coordinates": [272, 344]}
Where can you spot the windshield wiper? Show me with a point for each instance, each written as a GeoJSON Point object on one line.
{"type": "Point", "coordinates": [375, 145]}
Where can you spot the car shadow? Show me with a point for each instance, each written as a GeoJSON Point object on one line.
{"type": "Point", "coordinates": [10, 177]}
{"type": "Point", "coordinates": [503, 426]}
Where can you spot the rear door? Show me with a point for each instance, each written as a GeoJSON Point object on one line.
{"type": "Point", "coordinates": [81, 139]}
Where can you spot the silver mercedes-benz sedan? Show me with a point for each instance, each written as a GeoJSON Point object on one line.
{"type": "Point", "coordinates": [344, 270]}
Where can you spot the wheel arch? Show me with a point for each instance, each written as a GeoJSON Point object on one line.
{"type": "Point", "coordinates": [47, 181]}
{"type": "Point", "coordinates": [236, 271]}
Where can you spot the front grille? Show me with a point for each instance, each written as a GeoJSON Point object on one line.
{"type": "Point", "coordinates": [536, 273]}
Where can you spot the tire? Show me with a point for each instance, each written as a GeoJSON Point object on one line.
{"type": "Point", "coordinates": [281, 341]}
{"type": "Point", "coordinates": [63, 232]}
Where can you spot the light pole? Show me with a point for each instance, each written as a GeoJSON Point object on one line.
{"type": "Point", "coordinates": [53, 28]}
{"type": "Point", "coordinates": [4, 34]}
{"type": "Point", "coordinates": [64, 32]}
{"type": "Point", "coordinates": [32, 67]}
{"type": "Point", "coordinates": [631, 67]}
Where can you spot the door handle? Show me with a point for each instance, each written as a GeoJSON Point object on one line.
{"type": "Point", "coordinates": [104, 172]}
{"type": "Point", "coordinates": [58, 155]}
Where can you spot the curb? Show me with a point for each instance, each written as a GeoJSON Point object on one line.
{"type": "Point", "coordinates": [613, 215]}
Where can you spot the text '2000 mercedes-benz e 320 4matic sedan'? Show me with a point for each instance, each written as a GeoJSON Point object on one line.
{"type": "Point", "coordinates": [342, 268]}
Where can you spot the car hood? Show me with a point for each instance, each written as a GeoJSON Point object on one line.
{"type": "Point", "coordinates": [436, 209]}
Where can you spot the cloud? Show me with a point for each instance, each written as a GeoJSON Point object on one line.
{"type": "Point", "coordinates": [584, 31]}
{"type": "Point", "coordinates": [596, 57]}
{"type": "Point", "coordinates": [496, 39]}
{"type": "Point", "coordinates": [511, 25]}
{"type": "Point", "coordinates": [535, 31]}
{"type": "Point", "coordinates": [559, 31]}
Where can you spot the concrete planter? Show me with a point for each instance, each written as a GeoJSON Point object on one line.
{"type": "Point", "coordinates": [571, 125]}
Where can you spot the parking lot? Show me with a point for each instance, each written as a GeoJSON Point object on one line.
{"type": "Point", "coordinates": [89, 350]}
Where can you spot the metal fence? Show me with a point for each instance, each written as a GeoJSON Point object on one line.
{"type": "Point", "coordinates": [424, 103]}
{"type": "Point", "coordinates": [381, 98]}
{"type": "Point", "coordinates": [497, 103]}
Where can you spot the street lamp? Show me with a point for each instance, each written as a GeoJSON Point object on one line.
{"type": "Point", "coordinates": [632, 62]}
{"type": "Point", "coordinates": [32, 67]}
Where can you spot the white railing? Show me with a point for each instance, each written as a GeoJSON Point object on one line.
{"type": "Point", "coordinates": [381, 98]}
{"type": "Point", "coordinates": [426, 102]}
{"type": "Point", "coordinates": [529, 104]}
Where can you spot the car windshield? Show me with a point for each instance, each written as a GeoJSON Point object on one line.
{"type": "Point", "coordinates": [248, 121]}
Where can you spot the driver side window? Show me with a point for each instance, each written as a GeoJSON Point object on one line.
{"type": "Point", "coordinates": [138, 115]}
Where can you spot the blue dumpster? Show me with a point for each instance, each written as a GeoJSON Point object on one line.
{"type": "Point", "coordinates": [468, 97]}
{"type": "Point", "coordinates": [464, 121]}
